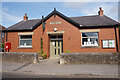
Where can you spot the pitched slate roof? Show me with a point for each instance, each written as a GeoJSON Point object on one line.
{"type": "Point", "coordinates": [80, 22]}
{"type": "Point", "coordinates": [24, 25]}
{"type": "Point", "coordinates": [94, 20]}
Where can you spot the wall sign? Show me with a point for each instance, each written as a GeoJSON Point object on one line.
{"type": "Point", "coordinates": [112, 43]}
{"type": "Point", "coordinates": [55, 22]}
{"type": "Point", "coordinates": [108, 43]}
{"type": "Point", "coordinates": [105, 43]}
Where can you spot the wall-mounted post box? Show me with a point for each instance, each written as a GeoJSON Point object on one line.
{"type": "Point", "coordinates": [7, 45]}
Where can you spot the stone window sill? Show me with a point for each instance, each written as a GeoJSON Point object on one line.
{"type": "Point", "coordinates": [90, 47]}
{"type": "Point", "coordinates": [25, 47]}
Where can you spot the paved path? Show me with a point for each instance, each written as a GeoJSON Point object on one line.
{"type": "Point", "coordinates": [51, 66]}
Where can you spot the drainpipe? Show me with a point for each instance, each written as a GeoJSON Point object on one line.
{"type": "Point", "coordinates": [6, 40]}
{"type": "Point", "coordinates": [6, 36]}
{"type": "Point", "coordinates": [116, 39]}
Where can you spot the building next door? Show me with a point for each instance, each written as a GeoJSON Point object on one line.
{"type": "Point", "coordinates": [56, 45]}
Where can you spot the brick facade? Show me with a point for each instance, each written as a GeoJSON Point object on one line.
{"type": "Point", "coordinates": [71, 38]}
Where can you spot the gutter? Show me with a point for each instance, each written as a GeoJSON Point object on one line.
{"type": "Point", "coordinates": [18, 30]}
{"type": "Point", "coordinates": [80, 27]}
{"type": "Point", "coordinates": [100, 26]}
{"type": "Point", "coordinates": [6, 36]}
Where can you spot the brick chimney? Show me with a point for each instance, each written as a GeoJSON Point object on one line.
{"type": "Point", "coordinates": [25, 17]}
{"type": "Point", "coordinates": [100, 12]}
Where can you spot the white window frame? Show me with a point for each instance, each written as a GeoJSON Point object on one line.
{"type": "Point", "coordinates": [90, 37]}
{"type": "Point", "coordinates": [24, 39]}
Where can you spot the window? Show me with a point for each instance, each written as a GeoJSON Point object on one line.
{"type": "Point", "coordinates": [25, 41]}
{"type": "Point", "coordinates": [3, 35]}
{"type": "Point", "coordinates": [54, 37]}
{"type": "Point", "coordinates": [90, 39]}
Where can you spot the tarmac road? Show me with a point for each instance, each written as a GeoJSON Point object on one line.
{"type": "Point", "coordinates": [32, 75]}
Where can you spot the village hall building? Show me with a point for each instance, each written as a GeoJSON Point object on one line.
{"type": "Point", "coordinates": [59, 33]}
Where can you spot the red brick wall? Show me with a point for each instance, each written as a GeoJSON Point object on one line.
{"type": "Point", "coordinates": [71, 38]}
{"type": "Point", "coordinates": [104, 34]}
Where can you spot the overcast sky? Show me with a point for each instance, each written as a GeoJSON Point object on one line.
{"type": "Point", "coordinates": [13, 12]}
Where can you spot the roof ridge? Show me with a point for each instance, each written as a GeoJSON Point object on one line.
{"type": "Point", "coordinates": [34, 19]}
{"type": "Point", "coordinates": [83, 16]}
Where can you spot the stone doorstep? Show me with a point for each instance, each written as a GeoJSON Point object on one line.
{"type": "Point", "coordinates": [52, 60]}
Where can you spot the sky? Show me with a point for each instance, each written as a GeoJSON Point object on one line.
{"type": "Point", "coordinates": [13, 12]}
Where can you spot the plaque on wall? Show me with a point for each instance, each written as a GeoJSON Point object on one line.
{"type": "Point", "coordinates": [108, 43]}
{"type": "Point", "coordinates": [105, 43]}
{"type": "Point", "coordinates": [112, 43]}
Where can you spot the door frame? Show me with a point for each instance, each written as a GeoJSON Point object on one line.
{"type": "Point", "coordinates": [57, 39]}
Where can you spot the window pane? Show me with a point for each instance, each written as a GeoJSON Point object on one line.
{"type": "Point", "coordinates": [58, 51]}
{"type": "Point", "coordinates": [58, 43]}
{"type": "Point", "coordinates": [53, 36]}
{"type": "Point", "coordinates": [90, 39]}
{"type": "Point", "coordinates": [25, 42]}
{"type": "Point", "coordinates": [89, 34]}
{"type": "Point", "coordinates": [60, 36]}
{"type": "Point", "coordinates": [55, 43]}
{"type": "Point", "coordinates": [84, 41]}
{"type": "Point", "coordinates": [94, 41]}
{"type": "Point", "coordinates": [56, 36]}
{"type": "Point", "coordinates": [26, 36]}
{"type": "Point", "coordinates": [55, 51]}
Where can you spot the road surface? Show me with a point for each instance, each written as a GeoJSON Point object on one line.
{"type": "Point", "coordinates": [33, 75]}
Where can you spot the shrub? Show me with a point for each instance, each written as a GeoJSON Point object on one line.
{"type": "Point", "coordinates": [2, 45]}
{"type": "Point", "coordinates": [67, 51]}
{"type": "Point", "coordinates": [44, 55]}
{"type": "Point", "coordinates": [40, 53]}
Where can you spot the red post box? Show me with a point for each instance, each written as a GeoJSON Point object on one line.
{"type": "Point", "coordinates": [7, 45]}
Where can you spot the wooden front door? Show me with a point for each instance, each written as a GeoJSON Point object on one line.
{"type": "Point", "coordinates": [56, 48]}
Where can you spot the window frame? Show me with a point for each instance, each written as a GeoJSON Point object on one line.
{"type": "Point", "coordinates": [24, 39]}
{"type": "Point", "coordinates": [90, 37]}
